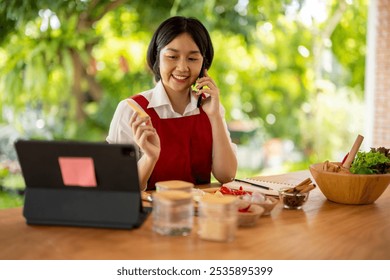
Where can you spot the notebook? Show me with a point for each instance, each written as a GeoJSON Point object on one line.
{"type": "Point", "coordinates": [269, 185]}
{"type": "Point", "coordinates": [74, 183]}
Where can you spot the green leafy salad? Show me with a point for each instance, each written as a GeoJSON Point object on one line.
{"type": "Point", "coordinates": [376, 161]}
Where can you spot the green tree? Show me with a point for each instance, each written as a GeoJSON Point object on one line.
{"type": "Point", "coordinates": [77, 59]}
{"type": "Point", "coordinates": [50, 38]}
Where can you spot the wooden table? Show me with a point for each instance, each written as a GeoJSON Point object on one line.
{"type": "Point", "coordinates": [321, 230]}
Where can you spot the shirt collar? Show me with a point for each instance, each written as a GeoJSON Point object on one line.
{"type": "Point", "coordinates": [193, 104]}
{"type": "Point", "coordinates": [160, 98]}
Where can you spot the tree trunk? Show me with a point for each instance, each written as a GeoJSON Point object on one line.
{"type": "Point", "coordinates": [325, 34]}
{"type": "Point", "coordinates": [94, 88]}
{"type": "Point", "coordinates": [77, 91]}
{"type": "Point", "coordinates": [80, 72]}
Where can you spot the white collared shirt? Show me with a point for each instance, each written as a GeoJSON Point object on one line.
{"type": "Point", "coordinates": [120, 131]}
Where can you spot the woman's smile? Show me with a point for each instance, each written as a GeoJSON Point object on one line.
{"type": "Point", "coordinates": [180, 77]}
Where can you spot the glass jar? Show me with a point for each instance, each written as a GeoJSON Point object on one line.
{"type": "Point", "coordinates": [173, 213]}
{"type": "Point", "coordinates": [174, 185]}
{"type": "Point", "coordinates": [218, 218]}
{"type": "Point", "coordinates": [293, 200]}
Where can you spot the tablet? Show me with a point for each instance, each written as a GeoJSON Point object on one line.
{"type": "Point", "coordinates": [80, 184]}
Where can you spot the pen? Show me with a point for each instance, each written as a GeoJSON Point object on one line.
{"type": "Point", "coordinates": [253, 184]}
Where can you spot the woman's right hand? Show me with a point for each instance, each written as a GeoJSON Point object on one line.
{"type": "Point", "coordinates": [145, 135]}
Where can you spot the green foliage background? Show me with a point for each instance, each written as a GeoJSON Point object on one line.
{"type": "Point", "coordinates": [64, 81]}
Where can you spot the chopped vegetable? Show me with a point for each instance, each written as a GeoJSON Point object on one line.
{"type": "Point", "coordinates": [227, 190]}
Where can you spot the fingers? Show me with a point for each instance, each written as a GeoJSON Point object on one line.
{"type": "Point", "coordinates": [132, 119]}
{"type": "Point", "coordinates": [206, 83]}
{"type": "Point", "coordinates": [143, 137]}
{"type": "Point", "coordinates": [137, 120]}
{"type": "Point", "coordinates": [140, 124]}
{"type": "Point", "coordinates": [207, 87]}
{"type": "Point", "coordinates": [143, 130]}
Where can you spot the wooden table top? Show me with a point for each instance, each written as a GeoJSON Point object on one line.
{"type": "Point", "coordinates": [321, 230]}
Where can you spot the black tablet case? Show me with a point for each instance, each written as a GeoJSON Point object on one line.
{"type": "Point", "coordinates": [114, 203]}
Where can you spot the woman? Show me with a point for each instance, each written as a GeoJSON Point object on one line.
{"type": "Point", "coordinates": [179, 138]}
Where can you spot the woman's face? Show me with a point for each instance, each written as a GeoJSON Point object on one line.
{"type": "Point", "coordinates": [180, 64]}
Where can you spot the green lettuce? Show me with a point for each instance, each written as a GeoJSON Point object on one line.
{"type": "Point", "coordinates": [376, 161]}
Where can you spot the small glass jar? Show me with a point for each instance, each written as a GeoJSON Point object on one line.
{"type": "Point", "coordinates": [293, 200]}
{"type": "Point", "coordinates": [174, 185]}
{"type": "Point", "coordinates": [218, 218]}
{"type": "Point", "coordinates": [173, 213]}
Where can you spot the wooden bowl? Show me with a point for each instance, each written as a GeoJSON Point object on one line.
{"type": "Point", "coordinates": [349, 188]}
{"type": "Point", "coordinates": [268, 205]}
{"type": "Point", "coordinates": [250, 218]}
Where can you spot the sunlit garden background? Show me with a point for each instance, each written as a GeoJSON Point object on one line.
{"type": "Point", "coordinates": [290, 72]}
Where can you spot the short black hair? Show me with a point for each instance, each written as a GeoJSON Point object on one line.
{"type": "Point", "coordinates": [169, 30]}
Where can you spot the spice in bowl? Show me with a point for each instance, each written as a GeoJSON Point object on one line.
{"type": "Point", "coordinates": [294, 198]}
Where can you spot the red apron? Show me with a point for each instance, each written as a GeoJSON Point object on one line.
{"type": "Point", "coordinates": [186, 147]}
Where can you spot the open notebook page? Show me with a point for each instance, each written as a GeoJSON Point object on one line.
{"type": "Point", "coordinates": [274, 182]}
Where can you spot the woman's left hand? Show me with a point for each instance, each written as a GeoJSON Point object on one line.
{"type": "Point", "coordinates": [207, 86]}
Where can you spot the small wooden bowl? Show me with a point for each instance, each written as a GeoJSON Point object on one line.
{"type": "Point", "coordinates": [349, 188]}
{"type": "Point", "coordinates": [250, 218]}
{"type": "Point", "coordinates": [268, 205]}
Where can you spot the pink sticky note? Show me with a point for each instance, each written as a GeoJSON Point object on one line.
{"type": "Point", "coordinates": [77, 171]}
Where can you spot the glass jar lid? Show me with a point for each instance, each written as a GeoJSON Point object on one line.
{"type": "Point", "coordinates": [225, 201]}
{"type": "Point", "coordinates": [173, 197]}
{"type": "Point", "coordinates": [174, 185]}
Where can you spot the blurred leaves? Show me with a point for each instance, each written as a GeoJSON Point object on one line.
{"type": "Point", "coordinates": [77, 59]}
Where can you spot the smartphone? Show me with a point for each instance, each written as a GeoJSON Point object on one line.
{"type": "Point", "coordinates": [201, 74]}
